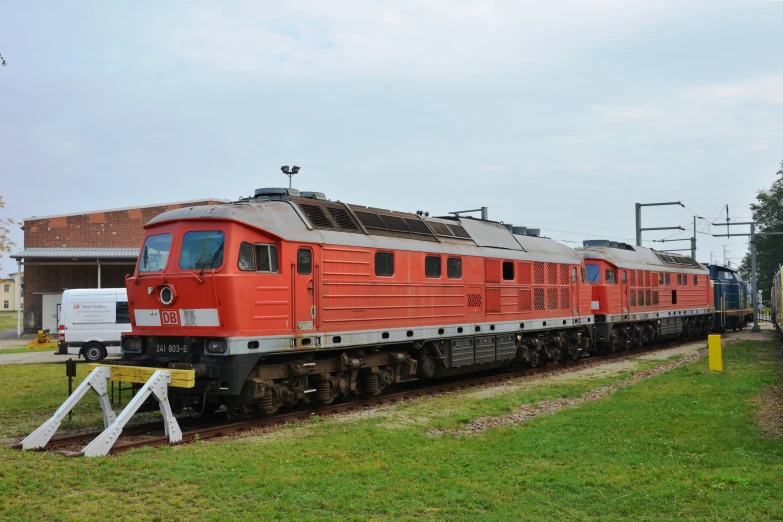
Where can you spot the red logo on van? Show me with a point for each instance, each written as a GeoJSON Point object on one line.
{"type": "Point", "coordinates": [76, 307]}
{"type": "Point", "coordinates": [169, 316]}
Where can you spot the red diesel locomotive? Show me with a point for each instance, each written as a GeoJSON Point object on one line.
{"type": "Point", "coordinates": [287, 297]}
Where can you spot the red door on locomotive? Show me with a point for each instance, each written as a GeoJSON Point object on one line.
{"type": "Point", "coordinates": [304, 289]}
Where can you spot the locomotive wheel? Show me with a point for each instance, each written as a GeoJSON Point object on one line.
{"type": "Point", "coordinates": [533, 359]}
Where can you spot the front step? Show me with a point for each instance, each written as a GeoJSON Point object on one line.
{"type": "Point", "coordinates": [156, 382]}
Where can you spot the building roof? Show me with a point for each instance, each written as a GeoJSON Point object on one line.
{"type": "Point", "coordinates": [77, 253]}
{"type": "Point", "coordinates": [189, 202]}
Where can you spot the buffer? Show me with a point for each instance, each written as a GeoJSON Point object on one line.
{"type": "Point", "coordinates": [156, 383]}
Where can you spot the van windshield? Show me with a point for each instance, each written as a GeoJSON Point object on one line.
{"type": "Point", "coordinates": [155, 254]}
{"type": "Point", "coordinates": [202, 250]}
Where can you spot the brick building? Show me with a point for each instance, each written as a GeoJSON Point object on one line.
{"type": "Point", "coordinates": [86, 250]}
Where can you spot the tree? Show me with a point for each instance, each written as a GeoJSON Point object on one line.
{"type": "Point", "coordinates": [769, 249]}
{"type": "Point", "coordinates": [5, 233]}
{"type": "Point", "coordinates": [2, 60]}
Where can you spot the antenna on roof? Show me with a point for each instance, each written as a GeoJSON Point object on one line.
{"type": "Point", "coordinates": [289, 173]}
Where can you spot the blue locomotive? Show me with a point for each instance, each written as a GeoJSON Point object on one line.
{"type": "Point", "coordinates": [733, 309]}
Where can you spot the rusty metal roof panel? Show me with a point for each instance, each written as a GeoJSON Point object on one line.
{"type": "Point", "coordinates": [77, 253]}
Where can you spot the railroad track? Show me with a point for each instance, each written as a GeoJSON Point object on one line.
{"type": "Point", "coordinates": [153, 436]}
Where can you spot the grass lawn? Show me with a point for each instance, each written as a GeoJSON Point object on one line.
{"type": "Point", "coordinates": [7, 320]}
{"type": "Point", "coordinates": [25, 349]}
{"type": "Point", "coordinates": [683, 445]}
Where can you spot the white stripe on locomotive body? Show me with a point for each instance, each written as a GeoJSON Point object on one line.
{"type": "Point", "coordinates": [659, 314]}
{"type": "Point", "coordinates": [321, 341]}
{"type": "Point", "coordinates": [199, 317]}
{"type": "Point", "coordinates": [181, 317]}
{"type": "Point", "coordinates": [147, 317]}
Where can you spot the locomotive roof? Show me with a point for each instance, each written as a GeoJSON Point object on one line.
{"type": "Point", "coordinates": [311, 221]}
{"type": "Point", "coordinates": [640, 258]}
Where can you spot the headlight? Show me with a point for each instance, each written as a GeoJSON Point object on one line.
{"type": "Point", "coordinates": [166, 295]}
{"type": "Point", "coordinates": [217, 346]}
{"type": "Point", "coordinates": [131, 344]}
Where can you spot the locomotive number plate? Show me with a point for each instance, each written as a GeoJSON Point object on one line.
{"type": "Point", "coordinates": [171, 348]}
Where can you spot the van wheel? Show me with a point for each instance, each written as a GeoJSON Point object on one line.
{"type": "Point", "coordinates": [93, 352]}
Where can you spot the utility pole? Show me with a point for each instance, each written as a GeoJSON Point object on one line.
{"type": "Point", "coordinates": [724, 255]}
{"type": "Point", "coordinates": [691, 239]}
{"type": "Point", "coordinates": [753, 275]}
{"type": "Point", "coordinates": [639, 228]}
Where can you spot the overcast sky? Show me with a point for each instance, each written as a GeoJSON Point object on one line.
{"type": "Point", "coordinates": [559, 115]}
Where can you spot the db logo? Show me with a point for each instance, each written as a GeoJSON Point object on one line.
{"type": "Point", "coordinates": [76, 307]}
{"type": "Point", "coordinates": [169, 316]}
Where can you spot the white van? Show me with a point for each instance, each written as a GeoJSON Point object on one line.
{"type": "Point", "coordinates": [92, 322]}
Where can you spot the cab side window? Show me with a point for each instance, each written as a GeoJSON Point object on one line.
{"type": "Point", "coordinates": [257, 258]}
{"type": "Point", "coordinates": [246, 262]}
{"type": "Point", "coordinates": [611, 277]}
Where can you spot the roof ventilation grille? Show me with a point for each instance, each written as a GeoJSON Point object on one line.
{"type": "Point", "coordinates": [534, 232]}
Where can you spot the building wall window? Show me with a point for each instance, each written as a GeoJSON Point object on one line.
{"type": "Point", "coordinates": [5, 304]}
{"type": "Point", "coordinates": [6, 288]}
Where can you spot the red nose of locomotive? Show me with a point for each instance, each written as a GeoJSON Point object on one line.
{"type": "Point", "coordinates": [175, 293]}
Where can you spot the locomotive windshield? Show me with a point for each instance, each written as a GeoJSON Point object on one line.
{"type": "Point", "coordinates": [593, 273]}
{"type": "Point", "coordinates": [155, 254]}
{"type": "Point", "coordinates": [202, 250]}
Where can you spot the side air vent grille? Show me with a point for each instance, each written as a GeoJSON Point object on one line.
{"type": "Point", "coordinates": [327, 215]}
{"type": "Point", "coordinates": [417, 227]}
{"type": "Point", "coordinates": [440, 229]}
{"type": "Point", "coordinates": [342, 218]}
{"type": "Point", "coordinates": [677, 260]}
{"type": "Point", "coordinates": [395, 223]}
{"type": "Point", "coordinates": [316, 216]}
{"type": "Point", "coordinates": [459, 231]}
{"type": "Point", "coordinates": [370, 220]}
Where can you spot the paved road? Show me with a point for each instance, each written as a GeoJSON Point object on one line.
{"type": "Point", "coordinates": [8, 334]}
{"type": "Point", "coordinates": [40, 357]}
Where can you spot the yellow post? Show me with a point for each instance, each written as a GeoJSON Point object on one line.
{"type": "Point", "coordinates": [716, 353]}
